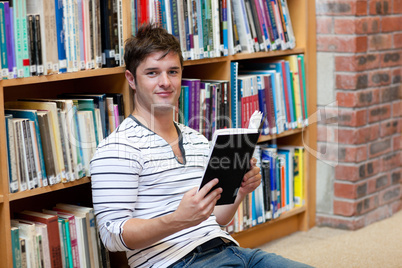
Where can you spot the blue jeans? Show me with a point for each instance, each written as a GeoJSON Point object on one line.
{"type": "Point", "coordinates": [233, 256]}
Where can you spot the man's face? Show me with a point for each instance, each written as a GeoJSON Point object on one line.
{"type": "Point", "coordinates": [158, 83]}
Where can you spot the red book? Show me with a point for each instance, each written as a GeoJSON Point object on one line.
{"type": "Point", "coordinates": [52, 230]}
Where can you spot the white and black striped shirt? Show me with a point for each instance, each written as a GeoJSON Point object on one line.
{"type": "Point", "coordinates": [136, 175]}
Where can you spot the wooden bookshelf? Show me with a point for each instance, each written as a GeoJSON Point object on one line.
{"type": "Point", "coordinates": [113, 80]}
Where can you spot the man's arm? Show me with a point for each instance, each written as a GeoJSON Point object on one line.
{"type": "Point", "coordinates": [251, 181]}
{"type": "Point", "coordinates": [194, 208]}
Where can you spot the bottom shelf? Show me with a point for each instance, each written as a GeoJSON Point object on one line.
{"type": "Point", "coordinates": [289, 222]}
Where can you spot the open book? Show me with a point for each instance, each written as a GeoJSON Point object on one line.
{"type": "Point", "coordinates": [229, 157]}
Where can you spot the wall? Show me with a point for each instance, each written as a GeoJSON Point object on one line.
{"type": "Point", "coordinates": [359, 70]}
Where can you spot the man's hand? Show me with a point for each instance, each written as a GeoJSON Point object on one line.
{"type": "Point", "coordinates": [196, 207]}
{"type": "Point", "coordinates": [251, 179]}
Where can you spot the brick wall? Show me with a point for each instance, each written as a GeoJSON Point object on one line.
{"type": "Point", "coordinates": [359, 70]}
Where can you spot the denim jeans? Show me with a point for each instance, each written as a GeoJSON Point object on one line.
{"type": "Point", "coordinates": [233, 256]}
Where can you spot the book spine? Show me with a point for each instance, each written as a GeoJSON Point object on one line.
{"type": "Point", "coordinates": [12, 156]}
{"type": "Point", "coordinates": [3, 42]}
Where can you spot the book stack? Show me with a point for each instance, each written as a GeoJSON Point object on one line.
{"type": "Point", "coordinates": [64, 236]}
{"type": "Point", "coordinates": [208, 29]}
{"type": "Point", "coordinates": [52, 140]}
{"type": "Point", "coordinates": [281, 188]}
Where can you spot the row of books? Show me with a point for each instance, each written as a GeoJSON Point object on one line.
{"type": "Point", "coordinates": [64, 236]}
{"type": "Point", "coordinates": [45, 37]}
{"type": "Point", "coordinates": [278, 89]}
{"type": "Point", "coordinates": [204, 105]}
{"type": "Point", "coordinates": [53, 140]}
{"type": "Point", "coordinates": [281, 188]}
{"type": "Point", "coordinates": [214, 28]}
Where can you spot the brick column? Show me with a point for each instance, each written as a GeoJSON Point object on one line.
{"type": "Point", "coordinates": [359, 70]}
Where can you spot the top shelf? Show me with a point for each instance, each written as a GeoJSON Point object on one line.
{"type": "Point", "coordinates": [120, 70]}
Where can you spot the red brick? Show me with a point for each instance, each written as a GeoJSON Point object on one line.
{"type": "Point", "coordinates": [348, 136]}
{"type": "Point", "coordinates": [369, 169]}
{"type": "Point", "coordinates": [391, 24]}
{"type": "Point", "coordinates": [352, 81]}
{"type": "Point", "coordinates": [359, 98]}
{"type": "Point", "coordinates": [391, 161]}
{"type": "Point", "coordinates": [379, 78]}
{"type": "Point", "coordinates": [354, 154]}
{"type": "Point", "coordinates": [379, 42]}
{"type": "Point", "coordinates": [357, 62]}
{"type": "Point", "coordinates": [390, 194]}
{"type": "Point", "coordinates": [377, 215]}
{"type": "Point", "coordinates": [396, 78]}
{"type": "Point", "coordinates": [397, 108]}
{"type": "Point", "coordinates": [380, 7]}
{"type": "Point", "coordinates": [377, 183]}
{"type": "Point", "coordinates": [379, 112]}
{"type": "Point", "coordinates": [327, 134]}
{"type": "Point", "coordinates": [380, 147]}
{"type": "Point", "coordinates": [347, 173]}
{"type": "Point", "coordinates": [397, 7]}
{"type": "Point", "coordinates": [367, 134]}
{"type": "Point", "coordinates": [396, 176]}
{"type": "Point", "coordinates": [366, 205]}
{"type": "Point", "coordinates": [324, 25]}
{"type": "Point", "coordinates": [352, 118]}
{"type": "Point", "coordinates": [390, 94]}
{"type": "Point", "coordinates": [391, 58]}
{"type": "Point", "coordinates": [365, 25]}
{"type": "Point", "coordinates": [333, 7]}
{"type": "Point", "coordinates": [344, 208]}
{"type": "Point", "coordinates": [350, 191]}
{"type": "Point", "coordinates": [349, 223]}
{"type": "Point", "coordinates": [390, 127]}
{"type": "Point", "coordinates": [397, 143]}
{"type": "Point", "coordinates": [397, 40]}
{"type": "Point", "coordinates": [336, 43]}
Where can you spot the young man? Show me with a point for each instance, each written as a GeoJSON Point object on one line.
{"type": "Point", "coordinates": [145, 175]}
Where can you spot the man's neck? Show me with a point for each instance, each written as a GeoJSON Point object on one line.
{"type": "Point", "coordinates": [160, 123]}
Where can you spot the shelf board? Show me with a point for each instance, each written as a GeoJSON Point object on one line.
{"type": "Point", "coordinates": [47, 189]}
{"type": "Point", "coordinates": [286, 133]}
{"type": "Point", "coordinates": [250, 237]}
{"type": "Point", "coordinates": [61, 76]}
{"type": "Point", "coordinates": [245, 56]}
{"type": "Point", "coordinates": [1, 199]}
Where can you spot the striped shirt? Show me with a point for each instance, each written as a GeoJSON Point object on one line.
{"type": "Point", "coordinates": [136, 175]}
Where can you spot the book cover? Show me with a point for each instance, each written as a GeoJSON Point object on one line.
{"type": "Point", "coordinates": [8, 20]}
{"type": "Point", "coordinates": [52, 230]}
{"type": "Point", "coordinates": [3, 42]}
{"type": "Point", "coordinates": [19, 153]}
{"type": "Point", "coordinates": [27, 232]}
{"type": "Point", "coordinates": [15, 246]}
{"type": "Point", "coordinates": [49, 150]}
{"type": "Point", "coordinates": [229, 158]}
{"type": "Point", "coordinates": [299, 177]}
{"type": "Point", "coordinates": [12, 155]}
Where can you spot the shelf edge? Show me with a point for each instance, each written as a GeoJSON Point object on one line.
{"type": "Point", "coordinates": [47, 189]}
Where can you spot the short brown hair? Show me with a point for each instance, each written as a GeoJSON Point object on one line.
{"type": "Point", "coordinates": [149, 39]}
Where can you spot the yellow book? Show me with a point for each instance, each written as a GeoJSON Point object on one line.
{"type": "Point", "coordinates": [293, 67]}
{"type": "Point", "coordinates": [299, 193]}
{"type": "Point", "coordinates": [52, 108]}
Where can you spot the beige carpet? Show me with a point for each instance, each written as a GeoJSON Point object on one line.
{"type": "Point", "coordinates": [377, 245]}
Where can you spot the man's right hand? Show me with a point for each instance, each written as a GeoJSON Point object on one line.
{"type": "Point", "coordinates": [196, 206]}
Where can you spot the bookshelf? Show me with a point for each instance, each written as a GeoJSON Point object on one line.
{"type": "Point", "coordinates": [112, 80]}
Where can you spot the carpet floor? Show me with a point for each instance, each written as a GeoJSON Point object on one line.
{"type": "Point", "coordinates": [377, 245]}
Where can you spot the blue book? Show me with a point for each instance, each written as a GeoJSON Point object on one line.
{"type": "Point", "coordinates": [269, 154]}
{"type": "Point", "coordinates": [289, 83]}
{"type": "Point", "coordinates": [11, 44]}
{"type": "Point", "coordinates": [61, 50]}
{"type": "Point", "coordinates": [262, 106]}
{"type": "Point", "coordinates": [235, 96]}
{"type": "Point", "coordinates": [32, 116]}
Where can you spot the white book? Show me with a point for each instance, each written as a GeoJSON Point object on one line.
{"type": "Point", "coordinates": [216, 28]}
{"type": "Point", "coordinates": [242, 26]}
{"type": "Point", "coordinates": [28, 232]}
{"type": "Point", "coordinates": [87, 134]}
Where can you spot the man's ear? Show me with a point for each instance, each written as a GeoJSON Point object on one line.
{"type": "Point", "coordinates": [130, 78]}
